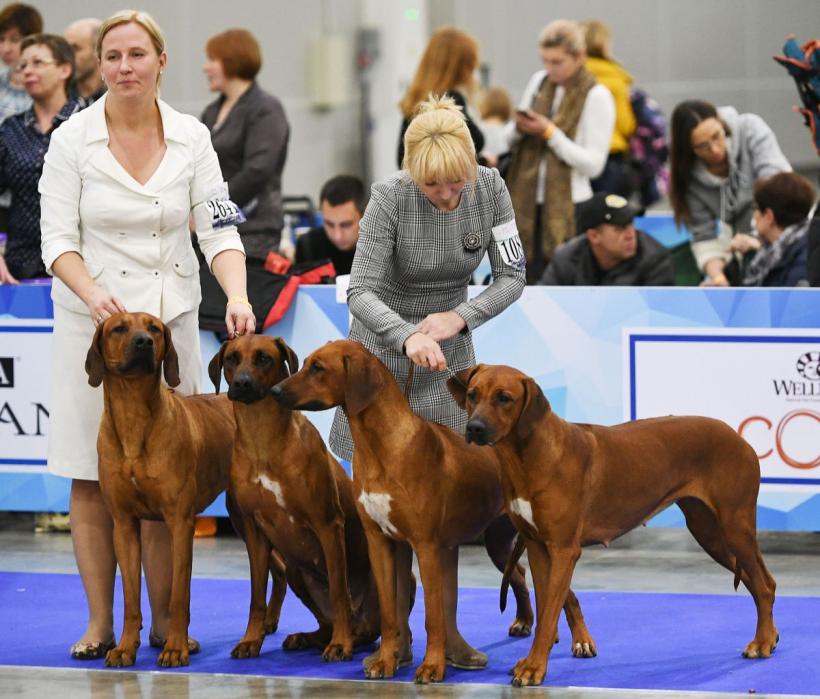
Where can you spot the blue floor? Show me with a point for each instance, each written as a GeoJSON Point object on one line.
{"type": "Point", "coordinates": [645, 640]}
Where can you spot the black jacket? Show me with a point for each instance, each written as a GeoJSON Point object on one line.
{"type": "Point", "coordinates": [573, 264]}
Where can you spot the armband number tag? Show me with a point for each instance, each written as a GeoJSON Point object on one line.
{"type": "Point", "coordinates": [224, 213]}
{"type": "Point", "coordinates": [508, 244]}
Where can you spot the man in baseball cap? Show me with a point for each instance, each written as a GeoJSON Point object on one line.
{"type": "Point", "coordinates": [609, 252]}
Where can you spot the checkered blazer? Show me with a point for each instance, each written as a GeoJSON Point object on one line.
{"type": "Point", "coordinates": [413, 260]}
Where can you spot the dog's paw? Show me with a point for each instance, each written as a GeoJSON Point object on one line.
{"type": "Point", "coordinates": [380, 669]}
{"type": "Point", "coordinates": [520, 628]}
{"type": "Point", "coordinates": [430, 671]}
{"type": "Point", "coordinates": [120, 657]}
{"type": "Point", "coordinates": [173, 657]}
{"type": "Point", "coordinates": [247, 648]}
{"type": "Point", "coordinates": [584, 649]}
{"type": "Point", "coordinates": [528, 674]}
{"type": "Point", "coordinates": [761, 649]}
{"type": "Point", "coordinates": [337, 651]}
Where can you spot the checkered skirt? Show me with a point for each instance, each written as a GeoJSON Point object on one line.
{"type": "Point", "coordinates": [413, 260]}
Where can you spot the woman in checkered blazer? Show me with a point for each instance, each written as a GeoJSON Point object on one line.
{"type": "Point", "coordinates": [424, 232]}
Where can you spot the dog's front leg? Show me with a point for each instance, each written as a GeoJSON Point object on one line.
{"type": "Point", "coordinates": [552, 569]}
{"type": "Point", "coordinates": [258, 557]}
{"type": "Point", "coordinates": [383, 562]}
{"type": "Point", "coordinates": [175, 652]}
{"type": "Point", "coordinates": [127, 548]}
{"type": "Point", "coordinates": [433, 666]}
{"type": "Point", "coordinates": [332, 539]}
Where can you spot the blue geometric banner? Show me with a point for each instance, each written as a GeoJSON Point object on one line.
{"type": "Point", "coordinates": [575, 341]}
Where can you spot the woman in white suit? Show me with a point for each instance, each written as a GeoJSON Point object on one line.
{"type": "Point", "coordinates": [119, 184]}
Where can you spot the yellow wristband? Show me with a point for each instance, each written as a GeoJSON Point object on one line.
{"type": "Point", "coordinates": [239, 299]}
{"type": "Point", "coordinates": [549, 131]}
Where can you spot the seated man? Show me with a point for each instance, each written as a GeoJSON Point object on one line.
{"type": "Point", "coordinates": [782, 204]}
{"type": "Point", "coordinates": [610, 252]}
{"type": "Point", "coordinates": [341, 203]}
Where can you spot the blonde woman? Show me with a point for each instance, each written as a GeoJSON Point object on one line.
{"type": "Point", "coordinates": [119, 183]}
{"type": "Point", "coordinates": [563, 128]}
{"type": "Point", "coordinates": [447, 67]}
{"type": "Point", "coordinates": [424, 232]}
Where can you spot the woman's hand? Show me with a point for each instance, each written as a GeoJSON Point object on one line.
{"type": "Point", "coordinates": [5, 275]}
{"type": "Point", "coordinates": [743, 243]}
{"type": "Point", "coordinates": [239, 319]}
{"type": "Point", "coordinates": [442, 326]}
{"type": "Point", "coordinates": [102, 305]}
{"type": "Point", "coordinates": [531, 123]}
{"type": "Point", "coordinates": [424, 351]}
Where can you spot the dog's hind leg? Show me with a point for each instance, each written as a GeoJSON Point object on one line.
{"type": "Point", "coordinates": [498, 540]}
{"type": "Point", "coordinates": [740, 535]}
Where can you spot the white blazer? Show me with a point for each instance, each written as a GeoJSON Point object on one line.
{"type": "Point", "coordinates": [133, 238]}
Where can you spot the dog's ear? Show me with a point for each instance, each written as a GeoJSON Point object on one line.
{"type": "Point", "coordinates": [288, 355]}
{"type": "Point", "coordinates": [362, 384]}
{"type": "Point", "coordinates": [170, 361]}
{"type": "Point", "coordinates": [215, 367]}
{"type": "Point", "coordinates": [536, 406]}
{"type": "Point", "coordinates": [458, 384]}
{"type": "Point", "coordinates": [94, 362]}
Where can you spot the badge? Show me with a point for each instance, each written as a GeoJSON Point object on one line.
{"type": "Point", "coordinates": [508, 245]}
{"type": "Point", "coordinates": [472, 242]}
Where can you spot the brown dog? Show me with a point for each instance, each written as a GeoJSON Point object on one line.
{"type": "Point", "coordinates": [292, 495]}
{"type": "Point", "coordinates": [568, 485]}
{"type": "Point", "coordinates": [162, 457]}
{"type": "Point", "coordinates": [415, 482]}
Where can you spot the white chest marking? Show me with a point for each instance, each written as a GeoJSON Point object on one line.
{"type": "Point", "coordinates": [377, 506]}
{"type": "Point", "coordinates": [523, 509]}
{"type": "Point", "coordinates": [273, 487]}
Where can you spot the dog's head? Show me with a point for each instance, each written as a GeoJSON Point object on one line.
{"type": "Point", "coordinates": [253, 364]}
{"type": "Point", "coordinates": [340, 373]}
{"type": "Point", "coordinates": [132, 345]}
{"type": "Point", "coordinates": [500, 401]}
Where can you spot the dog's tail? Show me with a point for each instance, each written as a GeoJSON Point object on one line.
{"type": "Point", "coordinates": [738, 571]}
{"type": "Point", "coordinates": [512, 561]}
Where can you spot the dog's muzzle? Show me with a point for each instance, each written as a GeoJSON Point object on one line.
{"type": "Point", "coordinates": [286, 398]}
{"type": "Point", "coordinates": [476, 432]}
{"type": "Point", "coordinates": [244, 389]}
{"type": "Point", "coordinates": [140, 355]}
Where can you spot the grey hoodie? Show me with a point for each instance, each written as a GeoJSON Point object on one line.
{"type": "Point", "coordinates": [753, 153]}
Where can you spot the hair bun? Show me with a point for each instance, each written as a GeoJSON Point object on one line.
{"type": "Point", "coordinates": [436, 102]}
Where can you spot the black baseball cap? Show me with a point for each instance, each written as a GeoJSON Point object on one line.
{"type": "Point", "coordinates": [606, 208]}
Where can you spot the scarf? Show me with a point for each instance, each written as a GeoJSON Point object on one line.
{"type": "Point", "coordinates": [558, 218]}
{"type": "Point", "coordinates": [769, 256]}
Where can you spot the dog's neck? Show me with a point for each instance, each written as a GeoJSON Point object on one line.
{"type": "Point", "coordinates": [544, 444]}
{"type": "Point", "coordinates": [140, 405]}
{"type": "Point", "coordinates": [387, 428]}
{"type": "Point", "coordinates": [256, 420]}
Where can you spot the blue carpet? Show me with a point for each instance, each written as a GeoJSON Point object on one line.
{"type": "Point", "coordinates": [645, 641]}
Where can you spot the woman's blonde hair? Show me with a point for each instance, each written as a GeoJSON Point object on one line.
{"type": "Point", "coordinates": [496, 102]}
{"type": "Point", "coordinates": [143, 19]}
{"type": "Point", "coordinates": [448, 62]}
{"type": "Point", "coordinates": [598, 39]}
{"type": "Point", "coordinates": [565, 34]}
{"type": "Point", "coordinates": [437, 144]}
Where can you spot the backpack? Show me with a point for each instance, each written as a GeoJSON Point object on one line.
{"type": "Point", "coordinates": [648, 149]}
{"type": "Point", "coordinates": [803, 64]}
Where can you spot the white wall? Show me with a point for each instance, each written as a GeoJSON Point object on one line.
{"type": "Point", "coordinates": [719, 50]}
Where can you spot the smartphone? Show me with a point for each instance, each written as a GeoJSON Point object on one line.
{"type": "Point", "coordinates": [526, 113]}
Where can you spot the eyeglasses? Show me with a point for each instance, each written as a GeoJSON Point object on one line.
{"type": "Point", "coordinates": [36, 63]}
{"type": "Point", "coordinates": [714, 140]}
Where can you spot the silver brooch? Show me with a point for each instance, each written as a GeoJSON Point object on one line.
{"type": "Point", "coordinates": [472, 241]}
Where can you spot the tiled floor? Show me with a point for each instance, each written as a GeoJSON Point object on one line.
{"type": "Point", "coordinates": [661, 560]}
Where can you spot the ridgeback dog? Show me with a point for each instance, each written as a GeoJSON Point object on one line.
{"type": "Point", "coordinates": [569, 485]}
{"type": "Point", "coordinates": [293, 496]}
{"type": "Point", "coordinates": [161, 457]}
{"type": "Point", "coordinates": [417, 483]}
